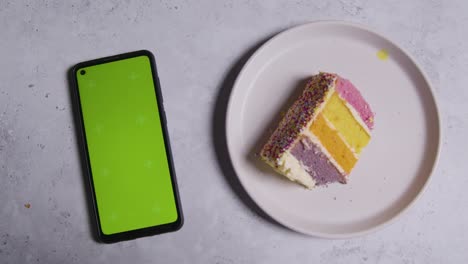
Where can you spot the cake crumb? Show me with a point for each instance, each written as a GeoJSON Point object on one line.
{"type": "Point", "coordinates": [28, 205]}
{"type": "Point", "coordinates": [382, 54]}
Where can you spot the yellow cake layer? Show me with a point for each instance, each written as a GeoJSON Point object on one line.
{"type": "Point", "coordinates": [334, 144]}
{"type": "Point", "coordinates": [343, 120]}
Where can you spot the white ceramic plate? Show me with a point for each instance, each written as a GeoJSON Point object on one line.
{"type": "Point", "coordinates": [393, 169]}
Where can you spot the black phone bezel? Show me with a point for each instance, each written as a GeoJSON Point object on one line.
{"type": "Point", "coordinates": [132, 234]}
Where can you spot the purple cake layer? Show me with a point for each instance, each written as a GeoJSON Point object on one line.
{"type": "Point", "coordinates": [319, 167]}
{"type": "Point", "coordinates": [347, 91]}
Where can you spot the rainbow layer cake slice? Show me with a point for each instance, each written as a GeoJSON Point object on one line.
{"type": "Point", "coordinates": [321, 136]}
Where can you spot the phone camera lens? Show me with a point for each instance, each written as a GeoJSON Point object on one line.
{"type": "Point", "coordinates": [82, 72]}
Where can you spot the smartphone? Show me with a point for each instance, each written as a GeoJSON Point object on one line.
{"type": "Point", "coordinates": [126, 150]}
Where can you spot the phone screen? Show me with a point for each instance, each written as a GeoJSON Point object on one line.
{"type": "Point", "coordinates": [126, 146]}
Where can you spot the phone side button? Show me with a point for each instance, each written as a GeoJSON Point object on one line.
{"type": "Point", "coordinates": [165, 116]}
{"type": "Point", "coordinates": [160, 92]}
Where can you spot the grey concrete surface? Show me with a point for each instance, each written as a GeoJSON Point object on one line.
{"type": "Point", "coordinates": [200, 46]}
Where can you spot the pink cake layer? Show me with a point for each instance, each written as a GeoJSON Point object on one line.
{"type": "Point", "coordinates": [347, 91]}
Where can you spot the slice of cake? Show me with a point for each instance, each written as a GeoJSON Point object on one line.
{"type": "Point", "coordinates": [320, 138]}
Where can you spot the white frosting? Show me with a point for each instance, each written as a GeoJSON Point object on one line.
{"type": "Point", "coordinates": [357, 116]}
{"type": "Point", "coordinates": [295, 170]}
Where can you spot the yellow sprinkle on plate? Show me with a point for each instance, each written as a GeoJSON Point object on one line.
{"type": "Point", "coordinates": [382, 54]}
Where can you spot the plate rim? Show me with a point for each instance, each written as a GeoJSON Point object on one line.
{"type": "Point", "coordinates": [406, 207]}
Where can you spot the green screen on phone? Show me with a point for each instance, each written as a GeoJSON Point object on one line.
{"type": "Point", "coordinates": [126, 148]}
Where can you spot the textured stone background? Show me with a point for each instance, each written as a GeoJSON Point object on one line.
{"type": "Point", "coordinates": [199, 46]}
